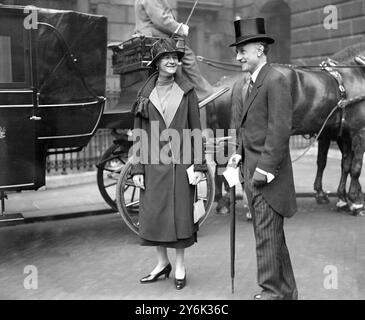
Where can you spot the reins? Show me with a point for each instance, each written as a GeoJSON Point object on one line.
{"type": "Point", "coordinates": [320, 67]}
{"type": "Point", "coordinates": [219, 64]}
{"type": "Point", "coordinates": [319, 132]}
{"type": "Point", "coordinates": [342, 104]}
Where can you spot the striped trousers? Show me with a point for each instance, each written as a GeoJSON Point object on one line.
{"type": "Point", "coordinates": [274, 270]}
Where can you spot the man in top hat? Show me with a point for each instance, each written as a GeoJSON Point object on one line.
{"type": "Point", "coordinates": [264, 158]}
{"type": "Point", "coordinates": [154, 18]}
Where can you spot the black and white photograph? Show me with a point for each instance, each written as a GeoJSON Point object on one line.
{"type": "Point", "coordinates": [181, 156]}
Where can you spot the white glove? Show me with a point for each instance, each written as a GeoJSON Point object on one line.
{"type": "Point", "coordinates": [234, 160]}
{"type": "Point", "coordinates": [138, 180]}
{"type": "Point", "coordinates": [184, 30]}
{"type": "Point", "coordinates": [199, 176]}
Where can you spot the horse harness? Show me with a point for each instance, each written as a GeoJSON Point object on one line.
{"type": "Point", "coordinates": [329, 66]}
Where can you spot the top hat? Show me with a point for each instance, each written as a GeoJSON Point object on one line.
{"type": "Point", "coordinates": [250, 30]}
{"type": "Point", "coordinates": [166, 45]}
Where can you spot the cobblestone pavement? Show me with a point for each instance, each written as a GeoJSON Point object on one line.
{"type": "Point", "coordinates": [98, 257]}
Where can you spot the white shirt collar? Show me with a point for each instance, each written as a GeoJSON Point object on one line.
{"type": "Point", "coordinates": [256, 72]}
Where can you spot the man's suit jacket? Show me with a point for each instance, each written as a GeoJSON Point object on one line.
{"type": "Point", "coordinates": [264, 139]}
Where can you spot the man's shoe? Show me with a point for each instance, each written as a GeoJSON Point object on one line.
{"type": "Point", "coordinates": [257, 296]}
{"type": "Point", "coordinates": [265, 296]}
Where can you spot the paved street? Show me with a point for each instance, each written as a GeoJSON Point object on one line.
{"type": "Point", "coordinates": [100, 258]}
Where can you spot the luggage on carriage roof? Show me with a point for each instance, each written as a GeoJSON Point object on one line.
{"type": "Point", "coordinates": [131, 55]}
{"type": "Point", "coordinates": [135, 54]}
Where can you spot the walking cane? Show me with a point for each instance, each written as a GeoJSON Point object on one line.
{"type": "Point", "coordinates": [233, 233]}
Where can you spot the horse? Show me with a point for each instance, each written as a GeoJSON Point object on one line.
{"type": "Point", "coordinates": [351, 140]}
{"type": "Point", "coordinates": [316, 95]}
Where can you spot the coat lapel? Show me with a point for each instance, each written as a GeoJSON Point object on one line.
{"type": "Point", "coordinates": [156, 102]}
{"type": "Point", "coordinates": [255, 90]}
{"type": "Point", "coordinates": [172, 103]}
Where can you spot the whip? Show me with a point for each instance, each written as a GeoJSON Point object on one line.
{"type": "Point", "coordinates": [188, 19]}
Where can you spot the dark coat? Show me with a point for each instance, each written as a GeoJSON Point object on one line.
{"type": "Point", "coordinates": [166, 204]}
{"type": "Point", "coordinates": [264, 139]}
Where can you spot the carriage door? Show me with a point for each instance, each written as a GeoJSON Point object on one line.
{"type": "Point", "coordinates": [17, 131]}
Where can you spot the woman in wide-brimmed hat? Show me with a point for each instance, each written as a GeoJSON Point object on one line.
{"type": "Point", "coordinates": [169, 103]}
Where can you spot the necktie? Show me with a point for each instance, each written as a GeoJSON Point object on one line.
{"type": "Point", "coordinates": [250, 86]}
{"type": "Point", "coordinates": [249, 89]}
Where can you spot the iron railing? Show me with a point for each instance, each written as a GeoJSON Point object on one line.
{"type": "Point", "coordinates": [86, 160]}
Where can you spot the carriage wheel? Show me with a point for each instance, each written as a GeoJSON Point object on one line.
{"type": "Point", "coordinates": [109, 168]}
{"type": "Point", "coordinates": [128, 196]}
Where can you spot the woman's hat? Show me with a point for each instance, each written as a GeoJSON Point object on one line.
{"type": "Point", "coordinates": [167, 45]}
{"type": "Point", "coordinates": [250, 30]}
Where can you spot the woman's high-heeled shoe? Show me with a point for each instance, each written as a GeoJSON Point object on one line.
{"type": "Point", "coordinates": [153, 277]}
{"type": "Point", "coordinates": [180, 283]}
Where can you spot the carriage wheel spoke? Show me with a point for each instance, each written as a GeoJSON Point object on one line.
{"type": "Point", "coordinates": [110, 185]}
{"type": "Point", "coordinates": [128, 200]}
{"type": "Point", "coordinates": [133, 193]}
{"type": "Point", "coordinates": [113, 170]}
{"type": "Point", "coordinates": [132, 203]}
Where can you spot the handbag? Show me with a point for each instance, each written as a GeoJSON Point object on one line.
{"type": "Point", "coordinates": [199, 209]}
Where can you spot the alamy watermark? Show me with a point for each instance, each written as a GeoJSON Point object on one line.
{"type": "Point", "coordinates": [330, 281]}
{"type": "Point", "coordinates": [186, 146]}
{"type": "Point", "coordinates": [331, 20]}
{"type": "Point", "coordinates": [31, 280]}
{"type": "Point", "coordinates": [31, 20]}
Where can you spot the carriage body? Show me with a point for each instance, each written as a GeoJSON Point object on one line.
{"type": "Point", "coordinates": [52, 88]}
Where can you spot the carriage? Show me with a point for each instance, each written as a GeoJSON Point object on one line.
{"type": "Point", "coordinates": [52, 96]}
